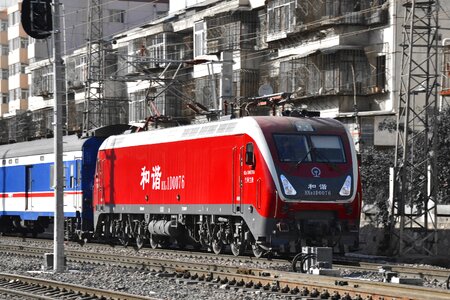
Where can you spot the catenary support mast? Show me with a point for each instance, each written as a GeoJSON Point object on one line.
{"type": "Point", "coordinates": [414, 205]}
{"type": "Point", "coordinates": [95, 60]}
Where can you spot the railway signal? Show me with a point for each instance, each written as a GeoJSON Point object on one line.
{"type": "Point", "coordinates": [36, 18]}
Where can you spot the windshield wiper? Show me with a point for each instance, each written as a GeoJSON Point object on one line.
{"type": "Point", "coordinates": [333, 165]}
{"type": "Point", "coordinates": [304, 157]}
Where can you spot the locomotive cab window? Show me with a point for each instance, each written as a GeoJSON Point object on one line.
{"type": "Point", "coordinates": [312, 148]}
{"type": "Point", "coordinates": [249, 154]}
{"type": "Point", "coordinates": [292, 148]}
{"type": "Point", "coordinates": [328, 149]}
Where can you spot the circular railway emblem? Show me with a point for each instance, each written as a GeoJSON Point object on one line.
{"type": "Point", "coordinates": [316, 172]}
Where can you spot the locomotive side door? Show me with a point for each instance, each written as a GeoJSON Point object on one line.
{"type": "Point", "coordinates": [100, 184]}
{"type": "Point", "coordinates": [238, 184]}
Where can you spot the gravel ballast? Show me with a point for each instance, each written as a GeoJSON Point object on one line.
{"type": "Point", "coordinates": [141, 282]}
{"type": "Point", "coordinates": [151, 284]}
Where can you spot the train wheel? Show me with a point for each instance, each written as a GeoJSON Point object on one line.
{"type": "Point", "coordinates": [123, 237]}
{"type": "Point", "coordinates": [139, 241]}
{"type": "Point", "coordinates": [257, 250]}
{"type": "Point", "coordinates": [217, 246]}
{"type": "Point", "coordinates": [237, 248]}
{"type": "Point", "coordinates": [124, 240]}
{"type": "Point", "coordinates": [153, 242]}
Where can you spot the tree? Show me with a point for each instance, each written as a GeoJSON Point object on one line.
{"type": "Point", "coordinates": [25, 127]}
{"type": "Point", "coordinates": [375, 164]}
{"type": "Point", "coordinates": [443, 161]}
{"type": "Point", "coordinates": [377, 161]}
{"type": "Point", "coordinates": [4, 133]}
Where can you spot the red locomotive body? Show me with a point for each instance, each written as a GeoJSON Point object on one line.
{"type": "Point", "coordinates": [272, 183]}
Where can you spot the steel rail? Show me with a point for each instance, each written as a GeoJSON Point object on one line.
{"type": "Point", "coordinates": [277, 281]}
{"type": "Point", "coordinates": [410, 271]}
{"type": "Point", "coordinates": [36, 288]}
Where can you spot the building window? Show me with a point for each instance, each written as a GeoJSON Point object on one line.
{"type": "Point", "coordinates": [199, 38]}
{"type": "Point", "coordinates": [4, 49]}
{"type": "Point", "coordinates": [12, 44]}
{"type": "Point", "coordinates": [17, 68]}
{"type": "Point", "coordinates": [42, 82]}
{"type": "Point", "coordinates": [3, 25]}
{"type": "Point", "coordinates": [81, 69]}
{"type": "Point", "coordinates": [18, 42]}
{"type": "Point", "coordinates": [17, 94]}
{"type": "Point", "coordinates": [13, 18]}
{"type": "Point", "coordinates": [22, 68]}
{"type": "Point", "coordinates": [24, 94]}
{"type": "Point", "coordinates": [138, 106]}
{"type": "Point", "coordinates": [116, 16]}
{"type": "Point", "coordinates": [281, 17]}
{"type": "Point", "coordinates": [4, 74]}
{"type": "Point", "coordinates": [12, 95]}
{"type": "Point", "coordinates": [23, 43]}
{"type": "Point", "coordinates": [4, 98]}
{"type": "Point", "coordinates": [381, 72]}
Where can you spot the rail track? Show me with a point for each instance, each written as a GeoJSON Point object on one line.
{"type": "Point", "coordinates": [35, 288]}
{"type": "Point", "coordinates": [288, 283]}
{"type": "Point", "coordinates": [355, 264]}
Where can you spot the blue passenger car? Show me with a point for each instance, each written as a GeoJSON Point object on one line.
{"type": "Point", "coordinates": [26, 184]}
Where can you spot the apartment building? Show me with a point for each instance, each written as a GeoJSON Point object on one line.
{"type": "Point", "coordinates": [336, 57]}
{"type": "Point", "coordinates": [206, 59]}
{"type": "Point", "coordinates": [4, 61]}
{"type": "Point", "coordinates": [27, 96]}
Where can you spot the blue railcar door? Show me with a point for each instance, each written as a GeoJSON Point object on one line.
{"type": "Point", "coordinates": [75, 183]}
{"type": "Point", "coordinates": [28, 187]}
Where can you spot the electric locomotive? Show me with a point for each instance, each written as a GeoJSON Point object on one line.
{"type": "Point", "coordinates": [272, 184]}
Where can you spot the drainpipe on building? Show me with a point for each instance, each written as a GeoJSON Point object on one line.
{"type": "Point", "coordinates": [357, 131]}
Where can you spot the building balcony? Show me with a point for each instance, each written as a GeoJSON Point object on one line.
{"type": "Point", "coordinates": [18, 105]}
{"type": "Point", "coordinates": [3, 109]}
{"type": "Point", "coordinates": [37, 103]}
{"type": "Point", "coordinates": [4, 86]}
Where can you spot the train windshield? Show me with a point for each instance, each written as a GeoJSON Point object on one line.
{"type": "Point", "coordinates": [292, 147]}
{"type": "Point", "coordinates": [328, 148]}
{"type": "Point", "coordinates": [312, 148]}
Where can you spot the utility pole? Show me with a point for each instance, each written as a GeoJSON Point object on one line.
{"type": "Point", "coordinates": [414, 206]}
{"type": "Point", "coordinates": [40, 20]}
{"type": "Point", "coordinates": [58, 75]}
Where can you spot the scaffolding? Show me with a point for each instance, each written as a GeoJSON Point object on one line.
{"type": "Point", "coordinates": [414, 205]}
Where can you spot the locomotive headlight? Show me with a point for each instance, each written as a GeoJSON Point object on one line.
{"type": "Point", "coordinates": [346, 188]}
{"type": "Point", "coordinates": [287, 186]}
